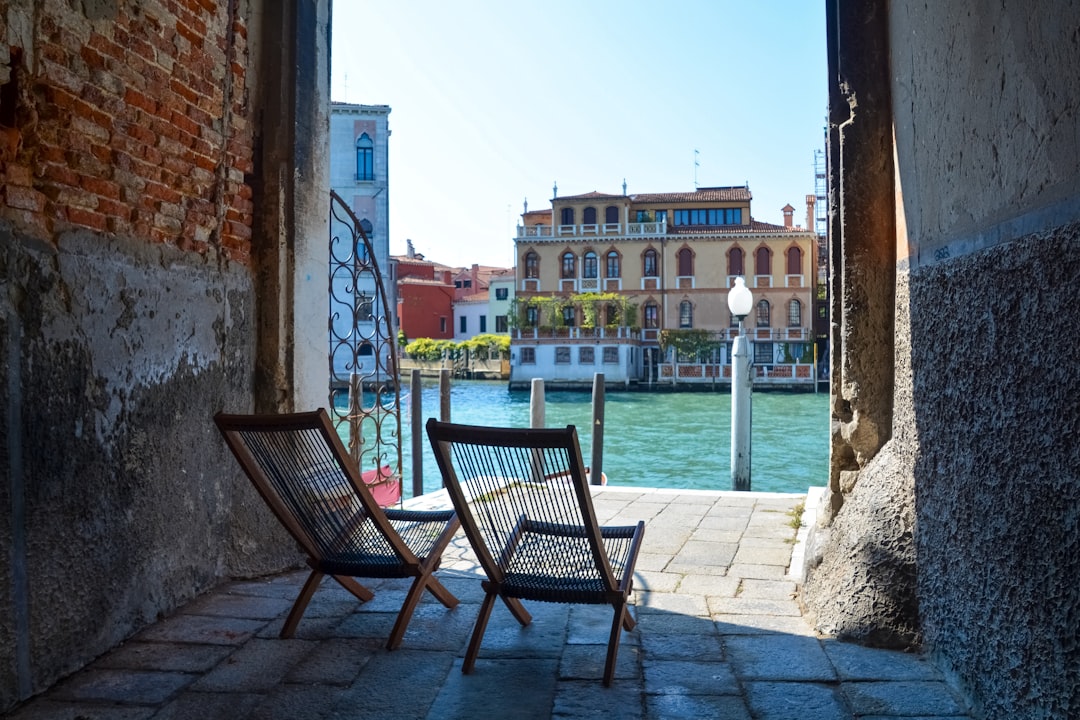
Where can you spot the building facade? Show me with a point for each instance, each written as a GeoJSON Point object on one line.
{"type": "Point", "coordinates": [359, 174]}
{"type": "Point", "coordinates": [645, 277]}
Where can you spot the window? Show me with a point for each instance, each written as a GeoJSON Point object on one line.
{"type": "Point", "coordinates": [468, 283]}
{"type": "Point", "coordinates": [613, 269]}
{"type": "Point", "coordinates": [686, 314]}
{"type": "Point", "coordinates": [661, 216]}
{"type": "Point", "coordinates": [366, 350]}
{"type": "Point", "coordinates": [568, 316]}
{"type": "Point", "coordinates": [589, 216]}
{"type": "Point", "coordinates": [562, 355]}
{"type": "Point", "coordinates": [568, 269]}
{"type": "Point", "coordinates": [457, 284]}
{"type": "Point", "coordinates": [365, 164]}
{"type": "Point", "coordinates": [794, 261]}
{"type": "Point", "coordinates": [587, 356]}
{"type": "Point", "coordinates": [686, 262]}
{"type": "Point", "coordinates": [588, 265]}
{"type": "Point", "coordinates": [709, 216]}
{"type": "Point", "coordinates": [763, 353]}
{"type": "Point", "coordinates": [735, 262]}
{"type": "Point", "coordinates": [532, 265]}
{"type": "Point", "coordinates": [643, 216]}
{"type": "Point", "coordinates": [502, 293]}
{"type": "Point", "coordinates": [762, 261]}
{"type": "Point", "coordinates": [611, 314]}
{"type": "Point", "coordinates": [501, 324]}
{"type": "Point", "coordinates": [649, 264]}
{"type": "Point", "coordinates": [611, 355]}
{"type": "Point", "coordinates": [611, 215]}
{"type": "Point", "coordinates": [763, 313]}
{"type": "Point", "coordinates": [483, 323]}
{"type": "Point", "coordinates": [652, 315]}
{"type": "Point", "coordinates": [464, 321]}
{"type": "Point", "coordinates": [794, 313]}
{"type": "Point", "coordinates": [442, 325]}
{"type": "Point", "coordinates": [363, 307]}
{"type": "Point", "coordinates": [528, 356]}
{"type": "Point", "coordinates": [567, 216]}
{"type": "Point", "coordinates": [532, 314]}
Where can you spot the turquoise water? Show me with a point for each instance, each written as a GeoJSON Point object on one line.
{"type": "Point", "coordinates": [668, 440]}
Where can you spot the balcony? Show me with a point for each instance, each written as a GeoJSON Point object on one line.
{"type": "Point", "coordinates": [558, 232]}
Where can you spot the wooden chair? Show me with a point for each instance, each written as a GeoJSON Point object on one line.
{"type": "Point", "coordinates": [527, 510]}
{"type": "Point", "coordinates": [301, 469]}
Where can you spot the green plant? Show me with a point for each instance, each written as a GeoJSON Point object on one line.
{"type": "Point", "coordinates": [796, 514]}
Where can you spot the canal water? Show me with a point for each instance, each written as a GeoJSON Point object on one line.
{"type": "Point", "coordinates": [667, 440]}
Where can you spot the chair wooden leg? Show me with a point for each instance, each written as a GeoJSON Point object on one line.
{"type": "Point", "coordinates": [613, 643]}
{"type": "Point", "coordinates": [478, 633]}
{"type": "Point", "coordinates": [440, 592]}
{"type": "Point", "coordinates": [302, 600]}
{"type": "Point", "coordinates": [412, 599]}
{"type": "Point", "coordinates": [518, 610]}
{"type": "Point", "coordinates": [350, 584]}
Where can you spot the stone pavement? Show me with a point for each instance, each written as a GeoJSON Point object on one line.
{"type": "Point", "coordinates": [719, 635]}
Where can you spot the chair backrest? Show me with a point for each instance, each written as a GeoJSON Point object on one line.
{"type": "Point", "coordinates": [302, 470]}
{"type": "Point", "coordinates": [500, 478]}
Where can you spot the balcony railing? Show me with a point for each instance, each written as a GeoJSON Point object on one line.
{"type": "Point", "coordinates": [576, 333]}
{"type": "Point", "coordinates": [634, 229]}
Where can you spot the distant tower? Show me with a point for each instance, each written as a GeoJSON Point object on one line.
{"type": "Point", "coordinates": [526, 205]}
{"type": "Point", "coordinates": [555, 190]}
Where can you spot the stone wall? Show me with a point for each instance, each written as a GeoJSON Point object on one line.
{"type": "Point", "coordinates": [136, 284]}
{"type": "Point", "coordinates": [979, 479]}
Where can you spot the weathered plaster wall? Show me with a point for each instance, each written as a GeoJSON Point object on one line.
{"type": "Point", "coordinates": [988, 152]}
{"type": "Point", "coordinates": [117, 351]}
{"type": "Point", "coordinates": [153, 220]}
{"type": "Point", "coordinates": [984, 415]}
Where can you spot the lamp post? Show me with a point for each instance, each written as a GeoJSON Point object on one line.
{"type": "Point", "coordinates": [740, 301]}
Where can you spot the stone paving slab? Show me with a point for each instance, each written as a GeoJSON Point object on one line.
{"type": "Point", "coordinates": [719, 634]}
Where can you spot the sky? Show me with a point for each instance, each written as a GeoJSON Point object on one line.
{"type": "Point", "coordinates": [495, 101]}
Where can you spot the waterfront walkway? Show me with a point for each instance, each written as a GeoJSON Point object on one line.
{"type": "Point", "coordinates": [719, 635]}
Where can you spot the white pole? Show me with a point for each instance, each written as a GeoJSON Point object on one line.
{"type": "Point", "coordinates": [741, 383]}
{"type": "Point", "coordinates": [536, 403]}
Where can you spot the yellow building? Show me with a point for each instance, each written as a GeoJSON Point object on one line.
{"type": "Point", "coordinates": [670, 258]}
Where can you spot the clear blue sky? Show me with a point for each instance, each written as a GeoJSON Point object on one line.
{"type": "Point", "coordinates": [493, 101]}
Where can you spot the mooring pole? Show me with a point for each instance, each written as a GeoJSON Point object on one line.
{"type": "Point", "coordinates": [444, 395]}
{"type": "Point", "coordinates": [536, 403]}
{"type": "Point", "coordinates": [416, 421]}
{"type": "Point", "coordinates": [596, 472]}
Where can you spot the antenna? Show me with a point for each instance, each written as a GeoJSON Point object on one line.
{"type": "Point", "coordinates": [696, 163]}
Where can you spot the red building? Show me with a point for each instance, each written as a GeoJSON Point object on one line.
{"type": "Point", "coordinates": [425, 292]}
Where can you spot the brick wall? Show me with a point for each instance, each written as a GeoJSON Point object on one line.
{"type": "Point", "coordinates": [130, 118]}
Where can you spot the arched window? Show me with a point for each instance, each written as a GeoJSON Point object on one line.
{"type": "Point", "coordinates": [568, 270]}
{"type": "Point", "coordinates": [686, 314]}
{"type": "Point", "coordinates": [613, 268]}
{"type": "Point", "coordinates": [588, 265]}
{"type": "Point", "coordinates": [735, 262]}
{"type": "Point", "coordinates": [794, 261]}
{"type": "Point", "coordinates": [365, 160]}
{"type": "Point", "coordinates": [686, 262]}
{"type": "Point", "coordinates": [652, 315]}
{"type": "Point", "coordinates": [611, 215]}
{"type": "Point", "coordinates": [649, 265]}
{"type": "Point", "coordinates": [763, 313]}
{"type": "Point", "coordinates": [589, 216]}
{"type": "Point", "coordinates": [762, 261]}
{"type": "Point", "coordinates": [532, 265]}
{"type": "Point", "coordinates": [794, 313]}
{"type": "Point", "coordinates": [567, 216]}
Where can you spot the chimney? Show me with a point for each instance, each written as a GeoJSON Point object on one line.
{"type": "Point", "coordinates": [410, 251]}
{"type": "Point", "coordinates": [789, 213]}
{"type": "Point", "coordinates": [810, 202]}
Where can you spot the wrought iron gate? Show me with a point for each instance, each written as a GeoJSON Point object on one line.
{"type": "Point", "coordinates": [365, 397]}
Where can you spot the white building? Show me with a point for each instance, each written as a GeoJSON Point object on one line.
{"type": "Point", "coordinates": [359, 159]}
